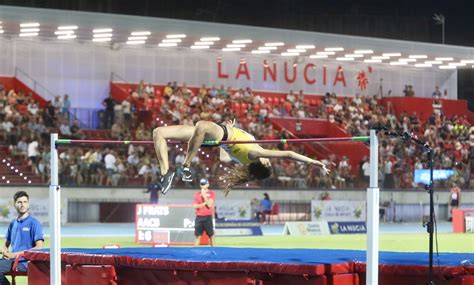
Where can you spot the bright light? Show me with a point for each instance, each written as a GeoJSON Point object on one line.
{"type": "Point", "coordinates": [353, 55]}
{"type": "Point", "coordinates": [171, 41]}
{"type": "Point", "coordinates": [372, 60]}
{"type": "Point", "coordinates": [276, 44]}
{"type": "Point", "coordinates": [63, 32]}
{"type": "Point", "coordinates": [143, 33]}
{"type": "Point", "coordinates": [260, 51]}
{"type": "Point", "coordinates": [418, 56]}
{"type": "Point", "coordinates": [295, 50]}
{"type": "Point", "coordinates": [364, 51]}
{"type": "Point", "coordinates": [135, 42]}
{"type": "Point", "coordinates": [267, 48]}
{"type": "Point", "coordinates": [305, 47]}
{"type": "Point", "coordinates": [235, 46]}
{"type": "Point", "coordinates": [29, 25]}
{"type": "Point", "coordinates": [97, 40]}
{"type": "Point", "coordinates": [104, 30]}
{"type": "Point", "coordinates": [444, 58]}
{"type": "Point", "coordinates": [137, 38]}
{"type": "Point", "coordinates": [334, 49]}
{"type": "Point", "coordinates": [398, 63]}
{"type": "Point", "coordinates": [167, 45]}
{"type": "Point", "coordinates": [29, 30]}
{"type": "Point", "coordinates": [210, 39]}
{"type": "Point", "coordinates": [66, 37]}
{"type": "Point", "coordinates": [29, 35]}
{"type": "Point", "coordinates": [102, 35]}
{"type": "Point", "coordinates": [433, 62]}
{"type": "Point", "coordinates": [381, 57]}
{"type": "Point", "coordinates": [407, 59]}
{"type": "Point", "coordinates": [318, 56]}
{"type": "Point", "coordinates": [199, 47]}
{"type": "Point", "coordinates": [176, 36]}
{"type": "Point", "coordinates": [246, 41]}
{"type": "Point", "coordinates": [231, 49]}
{"type": "Point", "coordinates": [1, 31]}
{"type": "Point", "coordinates": [447, 67]}
{"type": "Point", "coordinates": [456, 64]}
{"type": "Point", "coordinates": [67, 28]}
{"type": "Point", "coordinates": [203, 43]}
{"type": "Point", "coordinates": [392, 54]}
{"type": "Point", "coordinates": [289, 54]}
{"type": "Point", "coordinates": [467, 61]}
{"type": "Point", "coordinates": [423, 65]}
{"type": "Point", "coordinates": [326, 53]}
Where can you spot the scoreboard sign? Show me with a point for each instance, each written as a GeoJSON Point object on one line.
{"type": "Point", "coordinates": [164, 224]}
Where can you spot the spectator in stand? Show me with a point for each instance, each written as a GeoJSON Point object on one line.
{"type": "Point", "coordinates": [110, 161]}
{"type": "Point", "coordinates": [167, 91]}
{"type": "Point", "coordinates": [436, 93]}
{"type": "Point", "coordinates": [76, 131]}
{"type": "Point", "coordinates": [58, 104]}
{"type": "Point", "coordinates": [150, 90]}
{"type": "Point", "coordinates": [365, 171]}
{"type": "Point", "coordinates": [33, 107]}
{"type": "Point", "coordinates": [33, 153]}
{"type": "Point", "coordinates": [66, 106]}
{"type": "Point", "coordinates": [291, 97]}
{"type": "Point", "coordinates": [127, 112]}
{"type": "Point", "coordinates": [64, 128]}
{"type": "Point", "coordinates": [109, 104]}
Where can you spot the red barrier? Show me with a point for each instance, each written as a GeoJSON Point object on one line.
{"type": "Point", "coordinates": [459, 219]}
{"type": "Point", "coordinates": [91, 274]}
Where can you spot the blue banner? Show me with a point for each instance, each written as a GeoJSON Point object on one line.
{"type": "Point", "coordinates": [423, 175]}
{"type": "Point", "coordinates": [347, 227]}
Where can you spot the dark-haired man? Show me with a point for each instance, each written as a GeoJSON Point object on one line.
{"type": "Point", "coordinates": [204, 205]}
{"type": "Point", "coordinates": [24, 233]}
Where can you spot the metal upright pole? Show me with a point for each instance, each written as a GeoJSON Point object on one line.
{"type": "Point", "coordinates": [372, 277]}
{"type": "Point", "coordinates": [54, 216]}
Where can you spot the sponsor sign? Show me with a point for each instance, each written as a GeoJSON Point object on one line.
{"type": "Point", "coordinates": [423, 175]}
{"type": "Point", "coordinates": [306, 228]}
{"type": "Point", "coordinates": [347, 227]}
{"type": "Point", "coordinates": [234, 209]}
{"type": "Point", "coordinates": [39, 208]}
{"type": "Point", "coordinates": [338, 211]}
{"type": "Point", "coordinates": [238, 228]}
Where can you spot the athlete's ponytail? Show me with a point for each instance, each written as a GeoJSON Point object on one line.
{"type": "Point", "coordinates": [241, 174]}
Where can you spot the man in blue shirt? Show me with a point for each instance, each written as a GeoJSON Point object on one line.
{"type": "Point", "coordinates": [24, 233]}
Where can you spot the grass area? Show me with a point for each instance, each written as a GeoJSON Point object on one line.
{"type": "Point", "coordinates": [388, 242]}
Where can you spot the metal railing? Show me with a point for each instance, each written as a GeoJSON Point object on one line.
{"type": "Point", "coordinates": [34, 85]}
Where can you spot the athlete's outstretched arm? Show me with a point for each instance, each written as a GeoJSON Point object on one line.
{"type": "Point", "coordinates": [259, 152]}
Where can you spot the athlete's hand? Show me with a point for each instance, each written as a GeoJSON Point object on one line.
{"type": "Point", "coordinates": [325, 170]}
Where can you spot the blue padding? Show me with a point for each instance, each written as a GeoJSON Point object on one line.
{"type": "Point", "coordinates": [284, 256]}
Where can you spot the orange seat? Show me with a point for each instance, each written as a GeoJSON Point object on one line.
{"type": "Point", "coordinates": [275, 213]}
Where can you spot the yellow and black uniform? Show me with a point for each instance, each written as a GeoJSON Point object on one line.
{"type": "Point", "coordinates": [239, 152]}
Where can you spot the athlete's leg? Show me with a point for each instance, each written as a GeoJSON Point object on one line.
{"type": "Point", "coordinates": [204, 130]}
{"type": "Point", "coordinates": [161, 134]}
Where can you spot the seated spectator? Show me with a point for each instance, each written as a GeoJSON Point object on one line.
{"type": "Point", "coordinates": [64, 128]}
{"type": "Point", "coordinates": [76, 131]}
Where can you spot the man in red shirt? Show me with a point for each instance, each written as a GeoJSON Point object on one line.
{"type": "Point", "coordinates": [204, 205]}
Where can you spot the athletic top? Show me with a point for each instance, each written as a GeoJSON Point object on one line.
{"type": "Point", "coordinates": [24, 233]}
{"type": "Point", "coordinates": [240, 152]}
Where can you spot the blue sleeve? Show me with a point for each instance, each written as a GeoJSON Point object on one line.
{"type": "Point", "coordinates": [37, 231]}
{"type": "Point", "coordinates": [8, 236]}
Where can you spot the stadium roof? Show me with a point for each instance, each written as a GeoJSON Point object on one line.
{"type": "Point", "coordinates": [118, 30]}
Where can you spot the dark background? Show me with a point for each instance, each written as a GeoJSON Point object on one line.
{"type": "Point", "coordinates": [403, 19]}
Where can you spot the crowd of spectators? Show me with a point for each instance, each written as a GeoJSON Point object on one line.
{"type": "Point", "coordinates": [26, 127]}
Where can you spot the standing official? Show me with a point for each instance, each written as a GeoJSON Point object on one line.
{"type": "Point", "coordinates": [204, 205]}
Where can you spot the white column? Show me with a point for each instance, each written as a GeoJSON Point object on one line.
{"type": "Point", "coordinates": [54, 216]}
{"type": "Point", "coordinates": [372, 277]}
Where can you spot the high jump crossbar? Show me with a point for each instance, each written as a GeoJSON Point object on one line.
{"type": "Point", "coordinates": [217, 143]}
{"type": "Point", "coordinates": [372, 255]}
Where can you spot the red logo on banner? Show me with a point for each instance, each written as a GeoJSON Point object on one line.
{"type": "Point", "coordinates": [363, 79]}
